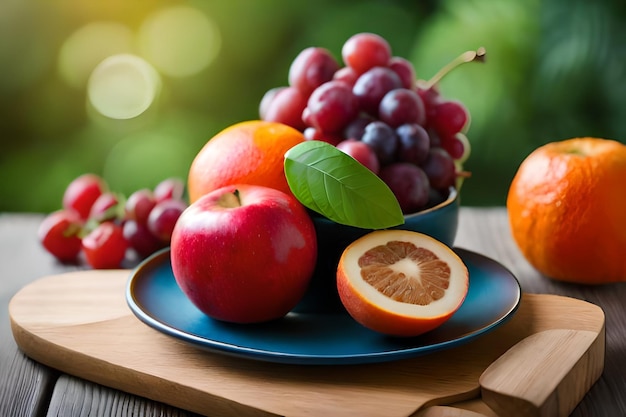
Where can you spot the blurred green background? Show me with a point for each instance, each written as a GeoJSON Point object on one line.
{"type": "Point", "coordinates": [555, 69]}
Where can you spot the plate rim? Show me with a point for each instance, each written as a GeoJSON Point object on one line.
{"type": "Point", "coordinates": [221, 347]}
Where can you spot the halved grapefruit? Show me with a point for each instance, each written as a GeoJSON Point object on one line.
{"type": "Point", "coordinates": [400, 282]}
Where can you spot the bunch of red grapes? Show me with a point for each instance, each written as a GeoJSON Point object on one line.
{"type": "Point", "coordinates": [375, 110]}
{"type": "Point", "coordinates": [105, 228]}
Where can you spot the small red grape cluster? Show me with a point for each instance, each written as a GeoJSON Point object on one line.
{"type": "Point", "coordinates": [104, 226]}
{"type": "Point", "coordinates": [375, 110]}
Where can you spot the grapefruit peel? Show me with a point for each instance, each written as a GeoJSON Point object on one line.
{"type": "Point", "coordinates": [415, 269]}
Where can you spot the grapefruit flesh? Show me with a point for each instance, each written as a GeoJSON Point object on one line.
{"type": "Point", "coordinates": [401, 283]}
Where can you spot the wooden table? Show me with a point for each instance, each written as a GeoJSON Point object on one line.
{"type": "Point", "coordinates": [30, 389]}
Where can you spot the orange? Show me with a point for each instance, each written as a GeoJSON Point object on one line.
{"type": "Point", "coordinates": [567, 210]}
{"type": "Point", "coordinates": [400, 282]}
{"type": "Point", "coordinates": [250, 152]}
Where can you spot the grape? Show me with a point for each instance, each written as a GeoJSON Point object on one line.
{"type": "Point", "coordinates": [169, 189]}
{"type": "Point", "coordinates": [82, 192]}
{"type": "Point", "coordinates": [430, 97]}
{"type": "Point", "coordinates": [436, 196]}
{"type": "Point", "coordinates": [140, 239]}
{"type": "Point", "coordinates": [435, 139]}
{"type": "Point", "coordinates": [105, 246]}
{"type": "Point", "coordinates": [311, 133]}
{"type": "Point", "coordinates": [449, 117]}
{"type": "Point", "coordinates": [331, 107]}
{"type": "Point", "coordinates": [374, 109]}
{"type": "Point", "coordinates": [59, 232]}
{"type": "Point", "coordinates": [372, 86]}
{"type": "Point", "coordinates": [440, 169]}
{"type": "Point", "coordinates": [139, 204]}
{"type": "Point", "coordinates": [163, 217]}
{"type": "Point", "coordinates": [466, 147]}
{"type": "Point", "coordinates": [361, 152]}
{"type": "Point", "coordinates": [267, 99]}
{"type": "Point", "coordinates": [106, 207]}
{"type": "Point", "coordinates": [405, 71]}
{"type": "Point", "coordinates": [401, 106]}
{"type": "Point", "coordinates": [382, 139]}
{"type": "Point", "coordinates": [286, 107]}
{"type": "Point", "coordinates": [347, 75]}
{"type": "Point", "coordinates": [413, 143]}
{"type": "Point", "coordinates": [364, 51]}
{"type": "Point", "coordinates": [408, 183]}
{"type": "Point", "coordinates": [453, 145]}
{"type": "Point", "coordinates": [356, 127]}
{"type": "Point", "coordinates": [143, 222]}
{"type": "Point", "coordinates": [311, 68]}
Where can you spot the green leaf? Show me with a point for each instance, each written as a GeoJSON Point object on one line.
{"type": "Point", "coordinates": [335, 185]}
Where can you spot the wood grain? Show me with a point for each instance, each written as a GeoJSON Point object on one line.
{"type": "Point", "coordinates": [570, 357]}
{"type": "Point", "coordinates": [446, 411]}
{"type": "Point", "coordinates": [486, 230]}
{"type": "Point", "coordinates": [25, 385]}
{"type": "Point", "coordinates": [79, 323]}
{"type": "Point", "coordinates": [100, 401]}
{"type": "Point", "coordinates": [481, 229]}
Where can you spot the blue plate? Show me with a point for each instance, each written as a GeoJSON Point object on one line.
{"type": "Point", "coordinates": [323, 338]}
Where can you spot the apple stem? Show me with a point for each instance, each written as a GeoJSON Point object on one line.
{"type": "Point", "coordinates": [478, 55]}
{"type": "Point", "coordinates": [230, 200]}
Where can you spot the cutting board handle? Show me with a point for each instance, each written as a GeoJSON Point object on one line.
{"type": "Point", "coordinates": [512, 385]}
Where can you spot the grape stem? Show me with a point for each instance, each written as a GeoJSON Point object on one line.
{"type": "Point", "coordinates": [478, 55]}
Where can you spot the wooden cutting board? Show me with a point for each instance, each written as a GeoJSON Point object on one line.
{"type": "Point", "coordinates": [79, 323]}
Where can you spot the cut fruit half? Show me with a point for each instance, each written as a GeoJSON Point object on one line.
{"type": "Point", "coordinates": [400, 282]}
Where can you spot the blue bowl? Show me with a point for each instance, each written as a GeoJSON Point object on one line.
{"type": "Point", "coordinates": [440, 222]}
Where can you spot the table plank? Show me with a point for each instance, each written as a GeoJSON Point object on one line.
{"type": "Point", "coordinates": [26, 387]}
{"type": "Point", "coordinates": [94, 400]}
{"type": "Point", "coordinates": [485, 230]}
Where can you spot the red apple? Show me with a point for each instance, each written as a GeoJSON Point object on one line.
{"type": "Point", "coordinates": [244, 253]}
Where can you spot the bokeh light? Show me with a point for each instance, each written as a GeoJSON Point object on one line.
{"type": "Point", "coordinates": [123, 86]}
{"type": "Point", "coordinates": [79, 77]}
{"type": "Point", "coordinates": [180, 41]}
{"type": "Point", "coordinates": [84, 49]}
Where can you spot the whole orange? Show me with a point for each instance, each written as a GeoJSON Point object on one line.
{"type": "Point", "coordinates": [567, 210]}
{"type": "Point", "coordinates": [250, 152]}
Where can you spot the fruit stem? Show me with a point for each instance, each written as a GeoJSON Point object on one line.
{"type": "Point", "coordinates": [230, 200]}
{"type": "Point", "coordinates": [478, 55]}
